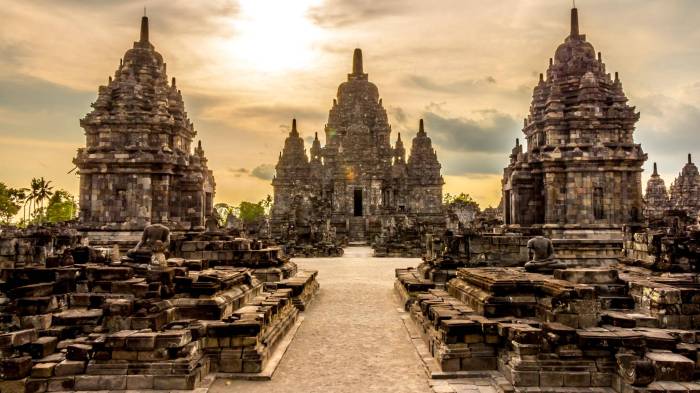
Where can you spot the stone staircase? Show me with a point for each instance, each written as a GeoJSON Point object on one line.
{"type": "Point", "coordinates": [357, 230]}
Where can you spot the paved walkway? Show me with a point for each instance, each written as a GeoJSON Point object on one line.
{"type": "Point", "coordinates": [352, 338]}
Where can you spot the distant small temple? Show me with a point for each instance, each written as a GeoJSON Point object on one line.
{"type": "Point", "coordinates": [357, 180]}
{"type": "Point", "coordinates": [138, 166]}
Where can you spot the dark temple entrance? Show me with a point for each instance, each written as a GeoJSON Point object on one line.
{"type": "Point", "coordinates": [358, 202]}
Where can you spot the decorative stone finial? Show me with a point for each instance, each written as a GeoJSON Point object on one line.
{"type": "Point", "coordinates": [399, 139]}
{"type": "Point", "coordinates": [690, 159]}
{"type": "Point", "coordinates": [294, 127]}
{"type": "Point", "coordinates": [144, 29]}
{"type": "Point", "coordinates": [357, 62]}
{"type": "Point", "coordinates": [541, 77]}
{"type": "Point", "coordinates": [173, 82]}
{"type": "Point", "coordinates": [600, 57]}
{"type": "Point", "coordinates": [517, 142]}
{"type": "Point", "coordinates": [617, 77]}
{"type": "Point", "coordinates": [656, 173]}
{"type": "Point", "coordinates": [315, 136]}
{"type": "Point", "coordinates": [574, 22]}
{"type": "Point", "coordinates": [420, 126]}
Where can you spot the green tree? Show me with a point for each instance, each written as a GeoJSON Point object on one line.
{"type": "Point", "coordinates": [462, 198]}
{"type": "Point", "coordinates": [224, 210]}
{"type": "Point", "coordinates": [10, 203]}
{"type": "Point", "coordinates": [44, 192]}
{"type": "Point", "coordinates": [61, 207]}
{"type": "Point", "coordinates": [251, 212]}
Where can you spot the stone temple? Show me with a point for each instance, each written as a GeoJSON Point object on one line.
{"type": "Point", "coordinates": [358, 181]}
{"type": "Point", "coordinates": [656, 200]}
{"type": "Point", "coordinates": [581, 170]}
{"type": "Point", "coordinates": [137, 167]}
{"type": "Point", "coordinates": [685, 190]}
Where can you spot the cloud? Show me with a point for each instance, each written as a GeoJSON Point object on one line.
{"type": "Point", "coordinates": [306, 116]}
{"type": "Point", "coordinates": [344, 13]}
{"type": "Point", "coordinates": [457, 87]}
{"type": "Point", "coordinates": [398, 115]}
{"type": "Point", "coordinates": [27, 94]}
{"type": "Point", "coordinates": [238, 172]}
{"type": "Point", "coordinates": [491, 132]}
{"type": "Point", "coordinates": [263, 172]}
{"type": "Point", "coordinates": [473, 164]}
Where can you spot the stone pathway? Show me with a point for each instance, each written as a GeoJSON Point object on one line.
{"type": "Point", "coordinates": [352, 338]}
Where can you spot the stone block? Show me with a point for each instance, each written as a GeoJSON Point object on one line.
{"type": "Point", "coordinates": [551, 378]}
{"type": "Point", "coordinates": [43, 370]}
{"type": "Point", "coordinates": [87, 382]}
{"type": "Point", "coordinates": [79, 352]}
{"type": "Point", "coordinates": [141, 341]}
{"type": "Point", "coordinates": [175, 382]}
{"type": "Point", "coordinates": [671, 366]}
{"type": "Point", "coordinates": [34, 385]}
{"type": "Point", "coordinates": [69, 367]}
{"type": "Point", "coordinates": [60, 384]}
{"type": "Point", "coordinates": [525, 378]}
{"type": "Point", "coordinates": [20, 337]}
{"type": "Point", "coordinates": [577, 379]}
{"type": "Point", "coordinates": [42, 347]}
{"type": "Point", "coordinates": [139, 382]}
{"type": "Point", "coordinates": [15, 386]}
{"type": "Point", "coordinates": [15, 368]}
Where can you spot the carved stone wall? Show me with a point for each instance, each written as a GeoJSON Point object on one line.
{"type": "Point", "coordinates": [357, 176]}
{"type": "Point", "coordinates": [138, 167]}
{"type": "Point", "coordinates": [581, 168]}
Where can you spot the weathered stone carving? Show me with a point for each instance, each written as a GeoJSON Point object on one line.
{"type": "Point", "coordinates": [541, 253]}
{"type": "Point", "coordinates": [358, 175]}
{"type": "Point", "coordinates": [581, 168]}
{"type": "Point", "coordinates": [154, 242]}
{"type": "Point", "coordinates": [138, 167]}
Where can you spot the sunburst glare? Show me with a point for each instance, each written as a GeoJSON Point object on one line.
{"type": "Point", "coordinates": [275, 35]}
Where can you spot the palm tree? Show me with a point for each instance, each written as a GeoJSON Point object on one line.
{"type": "Point", "coordinates": [32, 196]}
{"type": "Point", "coordinates": [44, 191]}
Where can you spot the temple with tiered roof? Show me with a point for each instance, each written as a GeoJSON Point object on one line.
{"type": "Point", "coordinates": [138, 166]}
{"type": "Point", "coordinates": [581, 169]}
{"type": "Point", "coordinates": [358, 180]}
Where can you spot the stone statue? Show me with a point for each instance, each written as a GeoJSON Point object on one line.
{"type": "Point", "coordinates": [541, 253]}
{"type": "Point", "coordinates": [155, 240]}
{"type": "Point", "coordinates": [211, 224]}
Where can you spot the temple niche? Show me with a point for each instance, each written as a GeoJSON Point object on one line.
{"type": "Point", "coordinates": [580, 173]}
{"type": "Point", "coordinates": [138, 167]}
{"type": "Point", "coordinates": [361, 185]}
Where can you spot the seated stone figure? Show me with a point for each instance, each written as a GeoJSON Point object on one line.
{"type": "Point", "coordinates": [155, 240]}
{"type": "Point", "coordinates": [541, 253]}
{"type": "Point", "coordinates": [211, 224]}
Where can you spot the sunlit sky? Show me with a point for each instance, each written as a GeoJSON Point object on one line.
{"type": "Point", "coordinates": [247, 67]}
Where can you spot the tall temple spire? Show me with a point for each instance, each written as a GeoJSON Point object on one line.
{"type": "Point", "coordinates": [656, 173]}
{"type": "Point", "coordinates": [421, 129]}
{"type": "Point", "coordinates": [144, 28]}
{"type": "Point", "coordinates": [357, 62]}
{"type": "Point", "coordinates": [574, 22]}
{"type": "Point", "coordinates": [690, 159]}
{"type": "Point", "coordinates": [294, 128]}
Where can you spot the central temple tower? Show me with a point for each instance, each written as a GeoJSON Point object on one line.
{"type": "Point", "coordinates": [358, 178]}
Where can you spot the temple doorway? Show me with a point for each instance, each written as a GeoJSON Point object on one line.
{"type": "Point", "coordinates": [358, 202]}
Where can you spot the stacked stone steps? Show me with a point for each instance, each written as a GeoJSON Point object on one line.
{"type": "Point", "coordinates": [611, 292]}
{"type": "Point", "coordinates": [357, 229]}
